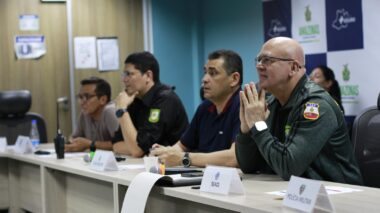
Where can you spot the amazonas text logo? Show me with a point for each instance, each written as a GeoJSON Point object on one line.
{"type": "Point", "coordinates": [276, 28]}
{"type": "Point", "coordinates": [342, 19]}
{"type": "Point", "coordinates": [302, 189]}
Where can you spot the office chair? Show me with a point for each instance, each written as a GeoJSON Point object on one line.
{"type": "Point", "coordinates": [15, 119]}
{"type": "Point", "coordinates": [366, 141]}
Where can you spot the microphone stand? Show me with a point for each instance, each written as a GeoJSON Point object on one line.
{"type": "Point", "coordinates": [59, 140]}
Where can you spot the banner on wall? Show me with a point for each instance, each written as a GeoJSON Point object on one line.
{"type": "Point", "coordinates": [29, 46]}
{"type": "Point", "coordinates": [308, 25]}
{"type": "Point", "coordinates": [339, 34]}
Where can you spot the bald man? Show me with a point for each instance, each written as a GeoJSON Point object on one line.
{"type": "Point", "coordinates": [299, 130]}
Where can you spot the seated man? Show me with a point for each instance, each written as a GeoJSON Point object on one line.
{"type": "Point", "coordinates": [148, 111]}
{"type": "Point", "coordinates": [300, 130]}
{"type": "Point", "coordinates": [211, 134]}
{"type": "Point", "coordinates": [97, 122]}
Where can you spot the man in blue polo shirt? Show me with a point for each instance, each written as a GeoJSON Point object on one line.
{"type": "Point", "coordinates": [211, 135]}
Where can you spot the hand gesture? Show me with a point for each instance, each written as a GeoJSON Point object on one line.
{"type": "Point", "coordinates": [123, 100]}
{"type": "Point", "coordinates": [252, 107]}
{"type": "Point", "coordinates": [77, 145]}
{"type": "Point", "coordinates": [169, 155]}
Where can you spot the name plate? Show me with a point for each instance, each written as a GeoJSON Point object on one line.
{"type": "Point", "coordinates": [221, 180]}
{"type": "Point", "coordinates": [307, 195]}
{"type": "Point", "coordinates": [23, 145]}
{"type": "Point", "coordinates": [3, 144]}
{"type": "Point", "coordinates": [104, 161]}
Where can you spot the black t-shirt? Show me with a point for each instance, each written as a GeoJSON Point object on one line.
{"type": "Point", "coordinates": [159, 117]}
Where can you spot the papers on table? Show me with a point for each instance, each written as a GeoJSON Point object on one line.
{"type": "Point", "coordinates": [331, 190]}
{"type": "Point", "coordinates": [125, 167]}
{"type": "Point", "coordinates": [140, 187]}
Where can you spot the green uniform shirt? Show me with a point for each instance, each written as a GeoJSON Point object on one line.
{"type": "Point", "coordinates": [306, 137]}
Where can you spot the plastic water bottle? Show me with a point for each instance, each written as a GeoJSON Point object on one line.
{"type": "Point", "coordinates": [34, 135]}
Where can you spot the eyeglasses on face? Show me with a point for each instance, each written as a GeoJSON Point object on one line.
{"type": "Point", "coordinates": [268, 60]}
{"type": "Point", "coordinates": [128, 74]}
{"type": "Point", "coordinates": [85, 96]}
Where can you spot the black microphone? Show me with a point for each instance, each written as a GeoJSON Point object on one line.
{"type": "Point", "coordinates": [59, 140]}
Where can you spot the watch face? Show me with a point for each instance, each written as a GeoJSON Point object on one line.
{"type": "Point", "coordinates": [119, 113]}
{"type": "Point", "coordinates": [261, 125]}
{"type": "Point", "coordinates": [186, 162]}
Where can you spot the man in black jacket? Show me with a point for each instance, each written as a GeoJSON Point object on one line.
{"type": "Point", "coordinates": [148, 112]}
{"type": "Point", "coordinates": [299, 130]}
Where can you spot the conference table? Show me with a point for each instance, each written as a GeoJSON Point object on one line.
{"type": "Point", "coordinates": [45, 184]}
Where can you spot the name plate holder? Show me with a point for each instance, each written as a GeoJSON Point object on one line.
{"type": "Point", "coordinates": [23, 145]}
{"type": "Point", "coordinates": [3, 144]}
{"type": "Point", "coordinates": [104, 161]}
{"type": "Point", "coordinates": [307, 195]}
{"type": "Point", "coordinates": [221, 180]}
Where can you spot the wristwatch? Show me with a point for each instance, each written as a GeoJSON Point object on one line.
{"type": "Point", "coordinates": [120, 112]}
{"type": "Point", "coordinates": [186, 161]}
{"type": "Point", "coordinates": [260, 126]}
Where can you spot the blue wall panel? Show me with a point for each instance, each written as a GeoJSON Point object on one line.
{"type": "Point", "coordinates": [185, 32]}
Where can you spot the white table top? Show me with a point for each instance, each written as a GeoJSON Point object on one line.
{"type": "Point", "coordinates": [256, 186]}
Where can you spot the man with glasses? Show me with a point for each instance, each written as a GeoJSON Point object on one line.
{"type": "Point", "coordinates": [299, 130]}
{"type": "Point", "coordinates": [210, 138]}
{"type": "Point", "coordinates": [97, 122]}
{"type": "Point", "coordinates": [148, 112]}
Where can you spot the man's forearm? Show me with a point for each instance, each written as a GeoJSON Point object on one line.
{"type": "Point", "coordinates": [220, 158]}
{"type": "Point", "coordinates": [105, 145]}
{"type": "Point", "coordinates": [130, 135]}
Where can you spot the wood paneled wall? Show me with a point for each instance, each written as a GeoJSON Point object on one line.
{"type": "Point", "coordinates": [108, 18]}
{"type": "Point", "coordinates": [48, 77]}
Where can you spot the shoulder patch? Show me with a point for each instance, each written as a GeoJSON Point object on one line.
{"type": "Point", "coordinates": [311, 111]}
{"type": "Point", "coordinates": [154, 116]}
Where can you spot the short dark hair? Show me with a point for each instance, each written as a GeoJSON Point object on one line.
{"type": "Point", "coordinates": [334, 90]}
{"type": "Point", "coordinates": [102, 86]}
{"type": "Point", "coordinates": [145, 61]}
{"type": "Point", "coordinates": [232, 61]}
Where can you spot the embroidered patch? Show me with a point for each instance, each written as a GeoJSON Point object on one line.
{"type": "Point", "coordinates": [287, 130]}
{"type": "Point", "coordinates": [154, 116]}
{"type": "Point", "coordinates": [311, 111]}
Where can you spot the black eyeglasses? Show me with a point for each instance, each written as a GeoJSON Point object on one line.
{"type": "Point", "coordinates": [85, 97]}
{"type": "Point", "coordinates": [127, 74]}
{"type": "Point", "coordinates": [268, 60]}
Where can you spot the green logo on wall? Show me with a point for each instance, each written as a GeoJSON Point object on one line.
{"type": "Point", "coordinates": [346, 72]}
{"type": "Point", "coordinates": [307, 14]}
{"type": "Point", "coordinates": [348, 90]}
{"type": "Point", "coordinates": [309, 29]}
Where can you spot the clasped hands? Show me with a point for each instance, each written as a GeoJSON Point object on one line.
{"type": "Point", "coordinates": [169, 155]}
{"type": "Point", "coordinates": [78, 144]}
{"type": "Point", "coordinates": [253, 107]}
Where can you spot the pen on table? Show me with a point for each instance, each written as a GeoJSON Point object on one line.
{"type": "Point", "coordinates": [195, 187]}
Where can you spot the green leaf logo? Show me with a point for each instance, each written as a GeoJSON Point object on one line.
{"type": "Point", "coordinates": [307, 13]}
{"type": "Point", "coordinates": [346, 72]}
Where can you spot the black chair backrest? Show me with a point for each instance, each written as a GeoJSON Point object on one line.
{"type": "Point", "coordinates": [366, 142]}
{"type": "Point", "coordinates": [14, 116]}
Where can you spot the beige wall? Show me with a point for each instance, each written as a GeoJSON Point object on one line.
{"type": "Point", "coordinates": [48, 77]}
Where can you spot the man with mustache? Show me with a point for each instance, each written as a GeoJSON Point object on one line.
{"type": "Point", "coordinates": [211, 135]}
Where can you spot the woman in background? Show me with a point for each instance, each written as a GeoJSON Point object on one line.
{"type": "Point", "coordinates": [324, 77]}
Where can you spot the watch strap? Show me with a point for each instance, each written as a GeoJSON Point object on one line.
{"type": "Point", "coordinates": [93, 146]}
